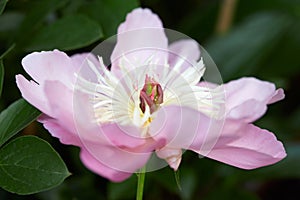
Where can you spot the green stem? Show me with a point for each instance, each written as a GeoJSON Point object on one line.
{"type": "Point", "coordinates": [141, 181]}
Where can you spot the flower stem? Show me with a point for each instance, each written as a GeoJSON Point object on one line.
{"type": "Point", "coordinates": [141, 180]}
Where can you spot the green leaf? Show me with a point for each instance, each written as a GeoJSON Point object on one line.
{"type": "Point", "coordinates": [29, 165]}
{"type": "Point", "coordinates": [16, 117]}
{"type": "Point", "coordinates": [71, 32]}
{"type": "Point", "coordinates": [1, 75]}
{"type": "Point", "coordinates": [113, 12]}
{"type": "Point", "coordinates": [2, 5]}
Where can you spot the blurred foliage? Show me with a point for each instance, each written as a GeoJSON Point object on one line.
{"type": "Point", "coordinates": [1, 76]}
{"type": "Point", "coordinates": [263, 41]}
{"type": "Point", "coordinates": [2, 6]}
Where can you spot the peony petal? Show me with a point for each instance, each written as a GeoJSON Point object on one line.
{"type": "Point", "coordinates": [248, 148]}
{"type": "Point", "coordinates": [248, 111]}
{"type": "Point", "coordinates": [57, 130]}
{"type": "Point", "coordinates": [186, 53]}
{"type": "Point", "coordinates": [183, 127]}
{"type": "Point", "coordinates": [278, 95]}
{"type": "Point", "coordinates": [247, 98]}
{"type": "Point", "coordinates": [126, 137]}
{"type": "Point", "coordinates": [51, 65]}
{"type": "Point", "coordinates": [172, 156]}
{"type": "Point", "coordinates": [140, 38]}
{"type": "Point", "coordinates": [113, 158]}
{"type": "Point", "coordinates": [33, 93]}
{"type": "Point", "coordinates": [97, 167]}
{"type": "Point", "coordinates": [80, 61]}
{"type": "Point", "coordinates": [140, 18]}
{"type": "Point", "coordinates": [76, 120]}
{"type": "Point", "coordinates": [60, 100]}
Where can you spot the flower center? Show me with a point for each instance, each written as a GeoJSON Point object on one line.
{"type": "Point", "coordinates": [151, 95]}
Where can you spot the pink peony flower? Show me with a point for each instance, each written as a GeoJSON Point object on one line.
{"type": "Point", "coordinates": [149, 103]}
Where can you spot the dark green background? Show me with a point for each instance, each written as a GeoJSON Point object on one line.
{"type": "Point", "coordinates": [263, 41]}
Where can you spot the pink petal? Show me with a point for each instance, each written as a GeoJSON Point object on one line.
{"type": "Point", "coordinates": [60, 123]}
{"type": "Point", "coordinates": [278, 95]}
{"type": "Point", "coordinates": [112, 162]}
{"type": "Point", "coordinates": [80, 62]}
{"type": "Point", "coordinates": [186, 52]}
{"type": "Point", "coordinates": [127, 137]}
{"type": "Point", "coordinates": [97, 167]}
{"type": "Point", "coordinates": [248, 148]}
{"type": "Point", "coordinates": [57, 130]}
{"type": "Point", "coordinates": [139, 38]}
{"type": "Point", "coordinates": [183, 127]}
{"type": "Point", "coordinates": [140, 18]}
{"type": "Point", "coordinates": [60, 100]}
{"type": "Point", "coordinates": [50, 65]}
{"type": "Point", "coordinates": [33, 93]}
{"type": "Point", "coordinates": [73, 112]}
{"type": "Point", "coordinates": [247, 98]}
{"type": "Point", "coordinates": [80, 59]}
{"type": "Point", "coordinates": [172, 156]}
{"type": "Point", "coordinates": [248, 111]}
